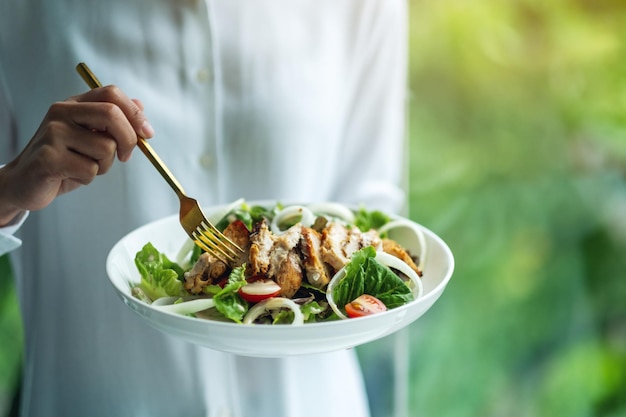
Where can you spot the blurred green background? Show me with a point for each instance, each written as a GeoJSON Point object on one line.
{"type": "Point", "coordinates": [518, 160]}
{"type": "Point", "coordinates": [10, 337]}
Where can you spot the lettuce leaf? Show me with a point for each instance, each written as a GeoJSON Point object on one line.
{"type": "Point", "coordinates": [311, 310]}
{"type": "Point", "coordinates": [160, 277]}
{"type": "Point", "coordinates": [249, 215]}
{"type": "Point", "coordinates": [365, 275]}
{"type": "Point", "coordinates": [227, 300]}
{"type": "Point", "coordinates": [366, 220]}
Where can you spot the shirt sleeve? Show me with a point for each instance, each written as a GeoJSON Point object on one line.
{"type": "Point", "coordinates": [374, 155]}
{"type": "Point", "coordinates": [8, 242]}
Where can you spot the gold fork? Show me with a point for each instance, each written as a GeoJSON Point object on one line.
{"type": "Point", "coordinates": [193, 220]}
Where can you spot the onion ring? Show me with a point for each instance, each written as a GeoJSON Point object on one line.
{"type": "Point", "coordinates": [274, 303]}
{"type": "Point", "coordinates": [418, 233]}
{"type": "Point", "coordinates": [186, 307]}
{"type": "Point", "coordinates": [307, 217]}
{"type": "Point", "coordinates": [333, 209]}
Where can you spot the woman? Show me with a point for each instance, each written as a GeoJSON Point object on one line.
{"type": "Point", "coordinates": [300, 101]}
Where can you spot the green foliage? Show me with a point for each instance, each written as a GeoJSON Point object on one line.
{"type": "Point", "coordinates": [160, 277]}
{"type": "Point", "coordinates": [227, 301]}
{"type": "Point", "coordinates": [365, 275]}
{"type": "Point", "coordinates": [366, 220]}
{"type": "Point", "coordinates": [11, 335]}
{"type": "Point", "coordinates": [518, 160]}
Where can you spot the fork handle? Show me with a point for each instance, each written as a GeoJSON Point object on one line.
{"type": "Point", "coordinates": [93, 82]}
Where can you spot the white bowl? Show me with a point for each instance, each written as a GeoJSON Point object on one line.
{"type": "Point", "coordinates": [168, 236]}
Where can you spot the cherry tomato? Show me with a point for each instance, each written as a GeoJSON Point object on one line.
{"type": "Point", "coordinates": [259, 290]}
{"type": "Point", "coordinates": [364, 305]}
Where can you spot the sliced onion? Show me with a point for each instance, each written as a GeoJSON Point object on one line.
{"type": "Point", "coordinates": [186, 307]}
{"type": "Point", "coordinates": [333, 209]}
{"type": "Point", "coordinates": [216, 216]}
{"type": "Point", "coordinates": [397, 263]}
{"type": "Point", "coordinates": [385, 259]}
{"type": "Point", "coordinates": [419, 233]}
{"type": "Point", "coordinates": [183, 255]}
{"type": "Point", "coordinates": [275, 303]}
{"type": "Point", "coordinates": [307, 217]}
{"type": "Point", "coordinates": [329, 292]}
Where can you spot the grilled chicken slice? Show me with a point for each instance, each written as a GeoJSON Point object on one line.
{"type": "Point", "coordinates": [289, 274]}
{"type": "Point", "coordinates": [334, 237]}
{"type": "Point", "coordinates": [352, 242]}
{"type": "Point", "coordinates": [371, 238]}
{"type": "Point", "coordinates": [357, 240]}
{"type": "Point", "coordinates": [315, 270]}
{"type": "Point", "coordinates": [285, 264]}
{"type": "Point", "coordinates": [239, 234]}
{"type": "Point", "coordinates": [208, 269]}
{"type": "Point", "coordinates": [394, 248]}
{"type": "Point", "coordinates": [261, 244]}
{"type": "Point", "coordinates": [339, 243]}
{"type": "Point", "coordinates": [205, 271]}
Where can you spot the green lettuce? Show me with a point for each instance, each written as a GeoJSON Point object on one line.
{"type": "Point", "coordinates": [227, 300]}
{"type": "Point", "coordinates": [311, 310]}
{"type": "Point", "coordinates": [160, 277]}
{"type": "Point", "coordinates": [366, 220]}
{"type": "Point", "coordinates": [249, 215]}
{"type": "Point", "coordinates": [365, 275]}
{"type": "Point", "coordinates": [241, 213]}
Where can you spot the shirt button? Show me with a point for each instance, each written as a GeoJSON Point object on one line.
{"type": "Point", "coordinates": [206, 161]}
{"type": "Point", "coordinates": [203, 75]}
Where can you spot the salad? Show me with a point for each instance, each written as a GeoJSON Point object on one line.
{"type": "Point", "coordinates": [301, 264]}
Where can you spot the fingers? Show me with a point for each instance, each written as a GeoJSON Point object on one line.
{"type": "Point", "coordinates": [132, 109]}
{"type": "Point", "coordinates": [105, 119]}
{"type": "Point", "coordinates": [94, 153]}
{"type": "Point", "coordinates": [108, 109]}
{"type": "Point", "coordinates": [77, 140]}
{"type": "Point", "coordinates": [69, 151]}
{"type": "Point", "coordinates": [59, 158]}
{"type": "Point", "coordinates": [138, 103]}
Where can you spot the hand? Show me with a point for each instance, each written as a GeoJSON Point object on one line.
{"type": "Point", "coordinates": [77, 140]}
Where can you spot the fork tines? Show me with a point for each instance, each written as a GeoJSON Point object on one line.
{"type": "Point", "coordinates": [213, 241]}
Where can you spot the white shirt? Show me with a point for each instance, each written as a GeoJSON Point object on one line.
{"type": "Point", "coordinates": [297, 100]}
{"type": "Point", "coordinates": [8, 242]}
